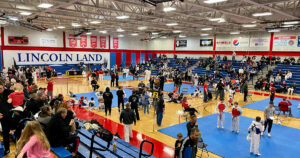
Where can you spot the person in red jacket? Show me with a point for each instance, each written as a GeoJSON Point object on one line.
{"type": "Point", "coordinates": [284, 106]}
{"type": "Point", "coordinates": [112, 81]}
{"type": "Point", "coordinates": [50, 89]}
{"type": "Point", "coordinates": [236, 113]}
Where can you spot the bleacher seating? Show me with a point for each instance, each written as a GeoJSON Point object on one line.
{"type": "Point", "coordinates": [295, 69]}
{"type": "Point", "coordinates": [1, 150]}
{"type": "Point", "coordinates": [123, 149]}
{"type": "Point", "coordinates": [61, 152]}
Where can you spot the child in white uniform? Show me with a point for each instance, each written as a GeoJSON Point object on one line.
{"type": "Point", "coordinates": [220, 109]}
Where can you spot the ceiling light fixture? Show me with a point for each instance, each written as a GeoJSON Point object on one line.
{"type": "Point", "coordinates": [219, 20]}
{"type": "Point", "coordinates": [163, 37]}
{"type": "Point", "coordinates": [142, 28]}
{"type": "Point", "coordinates": [95, 22]}
{"type": "Point", "coordinates": [177, 31]}
{"type": "Point", "coordinates": [120, 35]}
{"type": "Point", "coordinates": [214, 1]}
{"type": "Point", "coordinates": [134, 34]}
{"type": "Point", "coordinates": [274, 30]}
{"type": "Point", "coordinates": [249, 25]}
{"type": "Point", "coordinates": [204, 34]}
{"type": "Point", "coordinates": [291, 22]}
{"type": "Point", "coordinates": [120, 30]}
{"type": "Point", "coordinates": [122, 17]}
{"type": "Point", "coordinates": [76, 24]}
{"type": "Point", "coordinates": [168, 9]}
{"type": "Point", "coordinates": [49, 29]}
{"type": "Point", "coordinates": [61, 27]}
{"type": "Point", "coordinates": [103, 31]}
{"type": "Point", "coordinates": [262, 14]}
{"type": "Point", "coordinates": [234, 33]}
{"type": "Point", "coordinates": [206, 29]}
{"type": "Point", "coordinates": [2, 22]}
{"type": "Point", "coordinates": [13, 18]}
{"type": "Point", "coordinates": [287, 26]}
{"type": "Point", "coordinates": [25, 13]}
{"type": "Point", "coordinates": [154, 33]}
{"type": "Point", "coordinates": [182, 36]}
{"type": "Point", "coordinates": [89, 33]}
{"type": "Point", "coordinates": [172, 24]}
{"type": "Point", "coordinates": [45, 5]}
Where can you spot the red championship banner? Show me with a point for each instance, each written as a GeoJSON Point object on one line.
{"type": "Point", "coordinates": [72, 41]}
{"type": "Point", "coordinates": [83, 41]}
{"type": "Point", "coordinates": [115, 42]}
{"type": "Point", "coordinates": [93, 41]}
{"type": "Point", "coordinates": [102, 42]}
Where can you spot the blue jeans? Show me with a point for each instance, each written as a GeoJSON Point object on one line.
{"type": "Point", "coordinates": [146, 108]}
{"type": "Point", "coordinates": [159, 117]}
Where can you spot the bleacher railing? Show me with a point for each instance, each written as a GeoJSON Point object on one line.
{"type": "Point", "coordinates": [92, 148]}
{"type": "Point", "coordinates": [141, 149]}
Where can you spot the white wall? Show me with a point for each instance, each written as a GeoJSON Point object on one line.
{"type": "Point", "coordinates": [193, 44]}
{"type": "Point", "coordinates": [161, 44]}
{"type": "Point", "coordinates": [34, 37]}
{"type": "Point", "coordinates": [130, 43]}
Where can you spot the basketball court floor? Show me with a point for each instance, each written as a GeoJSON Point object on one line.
{"type": "Point", "coordinates": [221, 143]}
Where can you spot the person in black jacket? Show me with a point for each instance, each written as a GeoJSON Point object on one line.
{"type": "Point", "coordinates": [58, 132]}
{"type": "Point", "coordinates": [117, 80]}
{"type": "Point", "coordinates": [161, 82]}
{"type": "Point", "coordinates": [192, 124]}
{"type": "Point", "coordinates": [127, 117]}
{"type": "Point", "coordinates": [190, 142]}
{"type": "Point", "coordinates": [160, 109]}
{"type": "Point", "coordinates": [94, 84]}
{"type": "Point", "coordinates": [120, 94]}
{"type": "Point", "coordinates": [134, 100]}
{"type": "Point", "coordinates": [4, 116]}
{"type": "Point", "coordinates": [107, 96]}
{"type": "Point", "coordinates": [151, 81]}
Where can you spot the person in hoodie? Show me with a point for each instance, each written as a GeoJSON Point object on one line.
{"type": "Point", "coordinates": [127, 117]}
{"type": "Point", "coordinates": [107, 96]}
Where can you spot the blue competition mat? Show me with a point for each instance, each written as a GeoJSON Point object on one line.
{"type": "Point", "coordinates": [284, 143]}
{"type": "Point", "coordinates": [114, 92]}
{"type": "Point", "coordinates": [170, 87]}
{"type": "Point", "coordinates": [129, 78]}
{"type": "Point", "coordinates": [262, 104]}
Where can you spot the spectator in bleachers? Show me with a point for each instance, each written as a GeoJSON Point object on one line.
{"type": "Point", "coordinates": [292, 88]}
{"type": "Point", "coordinates": [282, 88]}
{"type": "Point", "coordinates": [220, 89]}
{"type": "Point", "coordinates": [298, 61]}
{"type": "Point", "coordinates": [259, 84]}
{"type": "Point", "coordinates": [33, 142]}
{"type": "Point", "coordinates": [241, 71]}
{"type": "Point", "coordinates": [271, 79]}
{"type": "Point", "coordinates": [278, 78]}
{"type": "Point", "coordinates": [45, 116]}
{"type": "Point", "coordinates": [288, 75]}
{"type": "Point", "coordinates": [284, 106]}
{"type": "Point", "coordinates": [59, 131]}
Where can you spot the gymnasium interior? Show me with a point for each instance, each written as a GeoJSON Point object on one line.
{"type": "Point", "coordinates": [182, 54]}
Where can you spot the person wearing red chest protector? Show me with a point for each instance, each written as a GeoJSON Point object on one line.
{"type": "Point", "coordinates": [236, 113]}
{"type": "Point", "coordinates": [284, 106]}
{"type": "Point", "coordinates": [220, 109]}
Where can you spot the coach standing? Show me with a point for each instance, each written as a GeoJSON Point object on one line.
{"type": "Point", "coordinates": [127, 117]}
{"type": "Point", "coordinates": [4, 116]}
{"type": "Point", "coordinates": [269, 114]}
{"type": "Point", "coordinates": [245, 90]}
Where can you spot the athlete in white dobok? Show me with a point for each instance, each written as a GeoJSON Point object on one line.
{"type": "Point", "coordinates": [147, 75]}
{"type": "Point", "coordinates": [236, 113]}
{"type": "Point", "coordinates": [256, 128]}
{"type": "Point", "coordinates": [220, 109]}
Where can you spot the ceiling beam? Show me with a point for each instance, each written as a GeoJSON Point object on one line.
{"type": "Point", "coordinates": [271, 9]}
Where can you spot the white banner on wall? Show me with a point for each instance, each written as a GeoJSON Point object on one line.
{"type": "Point", "coordinates": [53, 57]}
{"type": "Point", "coordinates": [259, 42]}
{"type": "Point", "coordinates": [240, 42]}
{"type": "Point", "coordinates": [223, 43]}
{"type": "Point", "coordinates": [287, 41]}
{"type": "Point", "coordinates": [48, 42]}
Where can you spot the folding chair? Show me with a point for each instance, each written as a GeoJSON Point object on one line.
{"type": "Point", "coordinates": [278, 114]}
{"type": "Point", "coordinates": [250, 97]}
{"type": "Point", "coordinates": [202, 146]}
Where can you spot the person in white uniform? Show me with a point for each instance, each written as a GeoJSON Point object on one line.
{"type": "Point", "coordinates": [34, 75]}
{"type": "Point", "coordinates": [148, 75]}
{"type": "Point", "coordinates": [196, 79]}
{"type": "Point", "coordinates": [236, 113]}
{"type": "Point", "coordinates": [256, 128]}
{"type": "Point", "coordinates": [220, 109]}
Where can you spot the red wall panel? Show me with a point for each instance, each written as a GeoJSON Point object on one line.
{"type": "Point", "coordinates": [118, 59]}
{"type": "Point", "coordinates": [128, 58]}
{"type": "Point", "coordinates": [137, 57]}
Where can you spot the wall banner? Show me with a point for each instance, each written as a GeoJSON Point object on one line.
{"type": "Point", "coordinates": [115, 42]}
{"type": "Point", "coordinates": [285, 41]}
{"type": "Point", "coordinates": [83, 41]}
{"type": "Point", "coordinates": [181, 43]}
{"type": "Point", "coordinates": [240, 42]}
{"type": "Point", "coordinates": [72, 41]}
{"type": "Point", "coordinates": [223, 43]}
{"type": "Point", "coordinates": [93, 41]}
{"type": "Point", "coordinates": [259, 42]}
{"type": "Point", "coordinates": [53, 57]}
{"type": "Point", "coordinates": [48, 42]}
{"type": "Point", "coordinates": [206, 42]}
{"type": "Point", "coordinates": [102, 42]}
